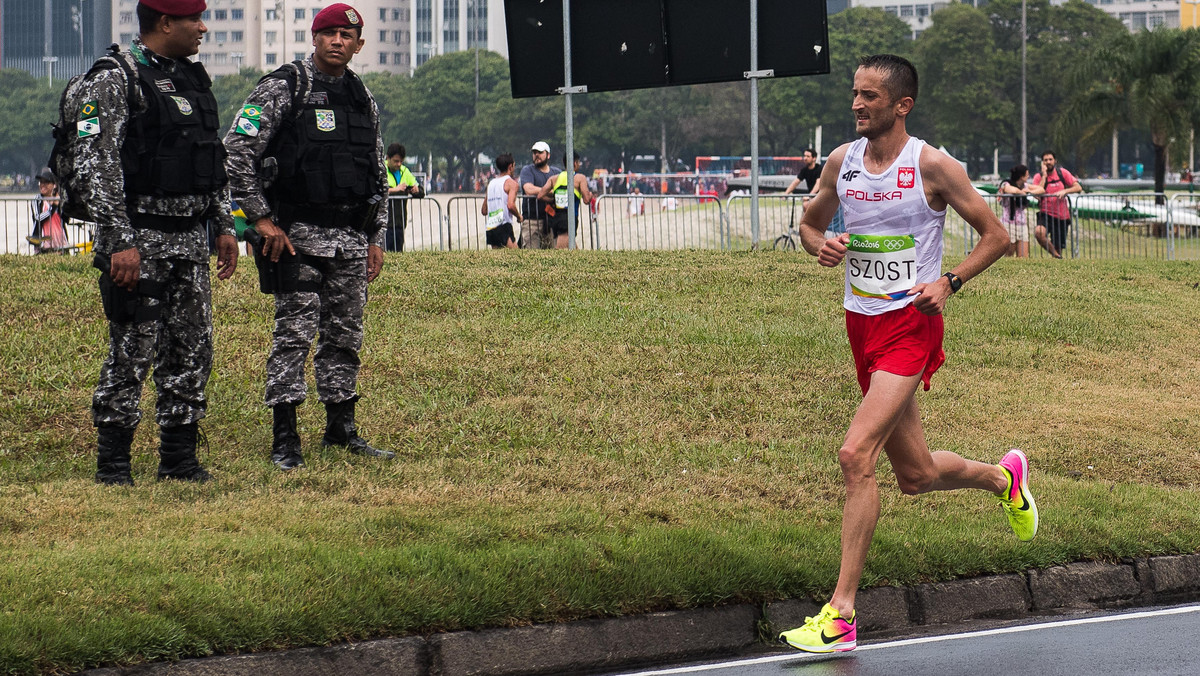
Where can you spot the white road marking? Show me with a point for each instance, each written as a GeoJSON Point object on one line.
{"type": "Point", "coordinates": [928, 639]}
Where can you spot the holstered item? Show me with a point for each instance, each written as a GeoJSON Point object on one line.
{"type": "Point", "coordinates": [122, 305]}
{"type": "Point", "coordinates": [283, 276]}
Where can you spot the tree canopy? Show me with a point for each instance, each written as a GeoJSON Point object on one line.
{"type": "Point", "coordinates": [1086, 77]}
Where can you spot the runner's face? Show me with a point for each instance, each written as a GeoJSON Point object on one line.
{"type": "Point", "coordinates": [874, 110]}
{"type": "Point", "coordinates": [335, 47]}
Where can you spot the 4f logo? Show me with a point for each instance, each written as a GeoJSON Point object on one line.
{"type": "Point", "coordinates": [850, 175]}
{"type": "Point", "coordinates": [906, 178]}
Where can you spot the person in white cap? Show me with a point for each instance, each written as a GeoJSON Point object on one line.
{"type": "Point", "coordinates": [535, 234]}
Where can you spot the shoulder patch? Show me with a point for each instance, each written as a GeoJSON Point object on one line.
{"type": "Point", "coordinates": [247, 126]}
{"type": "Point", "coordinates": [89, 127]}
{"type": "Point", "coordinates": [252, 112]}
{"type": "Point", "coordinates": [87, 110]}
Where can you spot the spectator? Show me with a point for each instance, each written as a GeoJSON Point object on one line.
{"type": "Point", "coordinates": [637, 203]}
{"type": "Point", "coordinates": [1013, 202]}
{"type": "Point", "coordinates": [556, 194]}
{"type": "Point", "coordinates": [535, 233]}
{"type": "Point", "coordinates": [401, 182]}
{"type": "Point", "coordinates": [49, 234]}
{"type": "Point", "coordinates": [810, 175]}
{"type": "Point", "coordinates": [1054, 211]}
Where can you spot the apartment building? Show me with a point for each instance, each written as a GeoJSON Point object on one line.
{"type": "Point", "coordinates": [1135, 14]}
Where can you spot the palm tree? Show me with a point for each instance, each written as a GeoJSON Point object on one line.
{"type": "Point", "coordinates": [1148, 80]}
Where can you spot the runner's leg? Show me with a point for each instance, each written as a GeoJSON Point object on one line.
{"type": "Point", "coordinates": [887, 399]}
{"type": "Point", "coordinates": [919, 471]}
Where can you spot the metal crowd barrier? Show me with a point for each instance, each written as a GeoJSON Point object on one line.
{"type": "Point", "coordinates": [466, 228]}
{"type": "Point", "coordinates": [778, 216]}
{"type": "Point", "coordinates": [639, 222]}
{"type": "Point", "coordinates": [16, 213]}
{"type": "Point", "coordinates": [1103, 225]}
{"type": "Point", "coordinates": [1183, 231]}
{"type": "Point", "coordinates": [423, 221]}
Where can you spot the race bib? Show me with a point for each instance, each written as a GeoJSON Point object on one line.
{"type": "Point", "coordinates": [560, 199]}
{"type": "Point", "coordinates": [881, 266]}
{"type": "Point", "coordinates": [495, 218]}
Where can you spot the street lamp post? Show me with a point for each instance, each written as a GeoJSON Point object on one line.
{"type": "Point", "coordinates": [1024, 113]}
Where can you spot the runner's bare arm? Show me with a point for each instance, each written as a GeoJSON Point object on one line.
{"type": "Point", "coordinates": [510, 188]}
{"type": "Point", "coordinates": [819, 211]}
{"type": "Point", "coordinates": [946, 184]}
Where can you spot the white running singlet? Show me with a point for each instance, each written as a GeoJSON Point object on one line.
{"type": "Point", "coordinates": [895, 238]}
{"type": "Point", "coordinates": [497, 203]}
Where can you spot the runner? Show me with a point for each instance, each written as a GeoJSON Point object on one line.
{"type": "Point", "coordinates": [500, 207]}
{"type": "Point", "coordinates": [894, 191]}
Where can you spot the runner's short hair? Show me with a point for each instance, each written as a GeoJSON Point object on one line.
{"type": "Point", "coordinates": [899, 75]}
{"type": "Point", "coordinates": [503, 162]}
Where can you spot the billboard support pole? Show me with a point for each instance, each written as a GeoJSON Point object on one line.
{"type": "Point", "coordinates": [753, 75]}
{"type": "Point", "coordinates": [567, 90]}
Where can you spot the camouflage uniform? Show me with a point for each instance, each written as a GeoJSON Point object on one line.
{"type": "Point", "coordinates": [177, 340]}
{"type": "Point", "coordinates": [333, 258]}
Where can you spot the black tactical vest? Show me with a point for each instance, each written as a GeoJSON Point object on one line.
{"type": "Point", "coordinates": [326, 148]}
{"type": "Point", "coordinates": [174, 147]}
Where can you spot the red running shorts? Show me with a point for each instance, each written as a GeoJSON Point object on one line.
{"type": "Point", "coordinates": [903, 342]}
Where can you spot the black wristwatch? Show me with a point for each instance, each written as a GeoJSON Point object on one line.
{"type": "Point", "coordinates": [955, 281]}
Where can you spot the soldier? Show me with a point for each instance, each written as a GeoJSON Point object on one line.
{"type": "Point", "coordinates": [152, 173]}
{"type": "Point", "coordinates": [321, 226]}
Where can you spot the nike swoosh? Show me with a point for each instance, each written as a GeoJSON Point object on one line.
{"type": "Point", "coordinates": [1024, 503]}
{"type": "Point", "coordinates": [831, 639]}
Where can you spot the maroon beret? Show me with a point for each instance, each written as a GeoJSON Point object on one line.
{"type": "Point", "coordinates": [175, 7]}
{"type": "Point", "coordinates": [337, 15]}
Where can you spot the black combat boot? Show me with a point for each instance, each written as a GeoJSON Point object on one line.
{"type": "Point", "coordinates": [340, 431]}
{"type": "Point", "coordinates": [285, 448]}
{"type": "Point", "coordinates": [112, 456]}
{"type": "Point", "coordinates": [177, 454]}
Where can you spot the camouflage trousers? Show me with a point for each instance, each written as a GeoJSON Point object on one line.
{"type": "Point", "coordinates": [178, 343]}
{"type": "Point", "coordinates": [336, 312]}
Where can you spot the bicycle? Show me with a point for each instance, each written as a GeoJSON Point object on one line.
{"type": "Point", "coordinates": [787, 241]}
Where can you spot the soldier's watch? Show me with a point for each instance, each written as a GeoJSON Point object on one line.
{"type": "Point", "coordinates": [955, 281]}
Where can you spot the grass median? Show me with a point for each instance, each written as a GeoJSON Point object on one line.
{"type": "Point", "coordinates": [578, 435]}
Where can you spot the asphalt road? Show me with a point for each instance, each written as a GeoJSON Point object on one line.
{"type": "Point", "coordinates": [1160, 641]}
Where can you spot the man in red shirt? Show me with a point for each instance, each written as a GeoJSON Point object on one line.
{"type": "Point", "coordinates": [1054, 211]}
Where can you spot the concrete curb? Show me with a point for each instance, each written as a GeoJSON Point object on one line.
{"type": "Point", "coordinates": [573, 647]}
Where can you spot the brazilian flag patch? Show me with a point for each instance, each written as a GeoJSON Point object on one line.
{"type": "Point", "coordinates": [88, 110]}
{"type": "Point", "coordinates": [250, 119]}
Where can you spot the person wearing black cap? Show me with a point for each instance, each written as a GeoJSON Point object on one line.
{"type": "Point", "coordinates": [150, 154]}
{"type": "Point", "coordinates": [321, 224]}
{"type": "Point", "coordinates": [49, 234]}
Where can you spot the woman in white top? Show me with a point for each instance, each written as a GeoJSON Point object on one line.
{"type": "Point", "coordinates": [500, 207]}
{"type": "Point", "coordinates": [1012, 211]}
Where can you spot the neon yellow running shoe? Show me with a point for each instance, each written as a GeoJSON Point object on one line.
{"type": "Point", "coordinates": [1017, 501]}
{"type": "Point", "coordinates": [825, 633]}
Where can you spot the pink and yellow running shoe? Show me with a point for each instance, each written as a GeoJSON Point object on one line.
{"type": "Point", "coordinates": [1017, 501]}
{"type": "Point", "coordinates": [825, 633]}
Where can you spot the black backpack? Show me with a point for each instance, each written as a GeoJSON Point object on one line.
{"type": "Point", "coordinates": [64, 157]}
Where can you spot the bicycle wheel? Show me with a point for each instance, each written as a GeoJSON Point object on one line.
{"type": "Point", "coordinates": [784, 242]}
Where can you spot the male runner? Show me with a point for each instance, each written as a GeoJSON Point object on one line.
{"type": "Point", "coordinates": [894, 191]}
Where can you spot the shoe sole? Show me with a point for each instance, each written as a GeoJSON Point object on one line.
{"type": "Point", "coordinates": [840, 647]}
